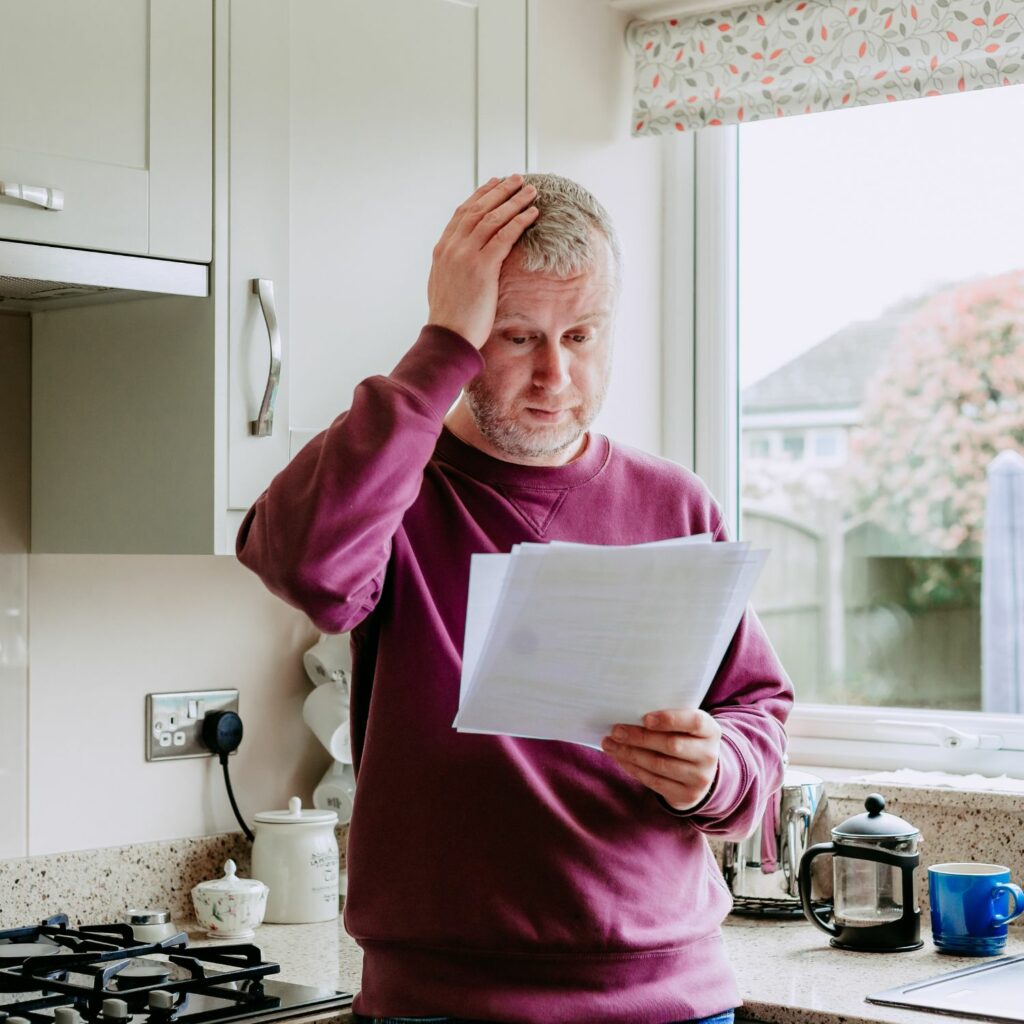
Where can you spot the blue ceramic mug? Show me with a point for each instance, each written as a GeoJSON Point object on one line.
{"type": "Point", "coordinates": [971, 906]}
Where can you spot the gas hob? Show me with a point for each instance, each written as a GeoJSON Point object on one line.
{"type": "Point", "coordinates": [100, 974]}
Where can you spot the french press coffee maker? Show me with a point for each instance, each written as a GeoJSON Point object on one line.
{"type": "Point", "coordinates": [875, 903]}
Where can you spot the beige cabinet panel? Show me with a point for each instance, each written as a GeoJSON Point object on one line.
{"type": "Point", "coordinates": [399, 109]}
{"type": "Point", "coordinates": [345, 134]}
{"type": "Point", "coordinates": [110, 102]}
{"type": "Point", "coordinates": [258, 211]}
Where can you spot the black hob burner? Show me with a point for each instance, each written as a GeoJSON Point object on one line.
{"type": "Point", "coordinates": [100, 974]}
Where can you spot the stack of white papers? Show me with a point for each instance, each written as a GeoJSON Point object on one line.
{"type": "Point", "coordinates": [565, 640]}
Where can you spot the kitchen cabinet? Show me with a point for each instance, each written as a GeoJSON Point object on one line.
{"type": "Point", "coordinates": [345, 135]}
{"type": "Point", "coordinates": [110, 103]}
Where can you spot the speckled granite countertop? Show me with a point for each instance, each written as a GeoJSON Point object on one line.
{"type": "Point", "coordinates": [789, 974]}
{"type": "Point", "coordinates": [309, 954]}
{"type": "Point", "coordinates": [787, 971]}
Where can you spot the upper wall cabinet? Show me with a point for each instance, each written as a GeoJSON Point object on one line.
{"type": "Point", "coordinates": [107, 113]}
{"type": "Point", "coordinates": [399, 109]}
{"type": "Point", "coordinates": [346, 133]}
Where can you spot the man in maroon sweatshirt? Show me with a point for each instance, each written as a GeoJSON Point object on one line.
{"type": "Point", "coordinates": [494, 878]}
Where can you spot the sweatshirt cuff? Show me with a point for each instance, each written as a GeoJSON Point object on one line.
{"type": "Point", "coordinates": [437, 367]}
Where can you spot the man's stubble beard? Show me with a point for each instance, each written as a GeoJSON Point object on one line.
{"type": "Point", "coordinates": [500, 427]}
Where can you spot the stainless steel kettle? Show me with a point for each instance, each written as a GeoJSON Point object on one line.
{"type": "Point", "coordinates": [762, 871]}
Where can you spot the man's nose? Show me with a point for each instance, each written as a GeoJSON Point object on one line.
{"type": "Point", "coordinates": [551, 367]}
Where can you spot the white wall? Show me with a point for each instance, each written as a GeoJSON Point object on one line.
{"type": "Point", "coordinates": [15, 358]}
{"type": "Point", "coordinates": [582, 103]}
{"type": "Point", "coordinates": [107, 630]}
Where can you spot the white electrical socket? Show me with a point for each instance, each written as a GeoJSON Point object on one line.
{"type": "Point", "coordinates": [174, 722]}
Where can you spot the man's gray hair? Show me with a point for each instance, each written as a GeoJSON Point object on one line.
{"type": "Point", "coordinates": [559, 241]}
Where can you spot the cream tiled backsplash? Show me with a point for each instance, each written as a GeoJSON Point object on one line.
{"type": "Point", "coordinates": [93, 886]}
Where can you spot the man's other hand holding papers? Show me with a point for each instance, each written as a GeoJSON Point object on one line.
{"type": "Point", "coordinates": [674, 753]}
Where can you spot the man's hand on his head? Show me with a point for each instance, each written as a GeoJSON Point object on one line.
{"type": "Point", "coordinates": [463, 286]}
{"type": "Point", "coordinates": [674, 753]}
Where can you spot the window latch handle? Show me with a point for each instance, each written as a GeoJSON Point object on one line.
{"type": "Point", "coordinates": [948, 737]}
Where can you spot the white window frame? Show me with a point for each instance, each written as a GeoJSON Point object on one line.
{"type": "Point", "coordinates": [700, 429]}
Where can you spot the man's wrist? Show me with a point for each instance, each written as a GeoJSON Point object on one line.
{"type": "Point", "coordinates": [685, 812]}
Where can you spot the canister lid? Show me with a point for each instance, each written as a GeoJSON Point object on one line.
{"type": "Point", "coordinates": [229, 882]}
{"type": "Point", "coordinates": [148, 915]}
{"type": "Point", "coordinates": [297, 815]}
{"type": "Point", "coordinates": [875, 824]}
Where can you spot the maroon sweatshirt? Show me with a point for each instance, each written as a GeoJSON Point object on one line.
{"type": "Point", "coordinates": [492, 877]}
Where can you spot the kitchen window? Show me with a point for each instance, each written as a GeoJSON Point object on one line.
{"type": "Point", "coordinates": [828, 445]}
{"type": "Point", "coordinates": [865, 298]}
{"type": "Point", "coordinates": [793, 446]}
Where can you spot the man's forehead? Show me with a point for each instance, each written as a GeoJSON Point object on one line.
{"type": "Point", "coordinates": [519, 316]}
{"type": "Point", "coordinates": [525, 294]}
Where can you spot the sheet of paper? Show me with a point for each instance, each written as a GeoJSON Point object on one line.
{"type": "Point", "coordinates": [577, 637]}
{"type": "Point", "coordinates": [486, 580]}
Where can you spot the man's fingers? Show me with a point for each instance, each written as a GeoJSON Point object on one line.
{"type": "Point", "coordinates": [501, 244]}
{"type": "Point", "coordinates": [674, 752]}
{"type": "Point", "coordinates": [486, 212]}
{"type": "Point", "coordinates": [665, 765]}
{"type": "Point", "coordinates": [687, 739]}
{"type": "Point", "coordinates": [490, 199]}
{"type": "Point", "coordinates": [496, 224]}
{"type": "Point", "coordinates": [661, 753]}
{"type": "Point", "coordinates": [468, 207]}
{"type": "Point", "coordinates": [678, 794]}
{"type": "Point", "coordinates": [688, 720]}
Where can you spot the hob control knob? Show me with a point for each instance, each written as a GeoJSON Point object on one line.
{"type": "Point", "coordinates": [66, 1015]}
{"type": "Point", "coordinates": [115, 1010]}
{"type": "Point", "coordinates": [161, 1000]}
{"type": "Point", "coordinates": [16, 1020]}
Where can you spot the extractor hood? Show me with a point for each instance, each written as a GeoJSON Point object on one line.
{"type": "Point", "coordinates": [37, 277]}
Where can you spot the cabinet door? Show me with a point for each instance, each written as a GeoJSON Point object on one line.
{"type": "Point", "coordinates": [257, 239]}
{"type": "Point", "coordinates": [110, 102]}
{"type": "Point", "coordinates": [399, 109]}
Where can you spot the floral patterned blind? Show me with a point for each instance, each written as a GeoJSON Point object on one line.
{"type": "Point", "coordinates": [801, 56]}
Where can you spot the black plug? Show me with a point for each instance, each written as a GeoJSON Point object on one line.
{"type": "Point", "coordinates": [222, 733]}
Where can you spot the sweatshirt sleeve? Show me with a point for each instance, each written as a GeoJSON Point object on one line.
{"type": "Point", "coordinates": [750, 699]}
{"type": "Point", "coordinates": [320, 535]}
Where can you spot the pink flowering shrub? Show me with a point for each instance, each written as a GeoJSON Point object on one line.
{"type": "Point", "coordinates": [947, 399]}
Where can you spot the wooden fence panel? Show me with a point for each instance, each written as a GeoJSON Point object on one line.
{"type": "Point", "coordinates": [788, 597]}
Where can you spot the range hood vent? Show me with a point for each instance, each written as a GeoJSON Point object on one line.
{"type": "Point", "coordinates": [37, 277]}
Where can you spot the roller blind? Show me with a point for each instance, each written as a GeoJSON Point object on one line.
{"type": "Point", "coordinates": [799, 57]}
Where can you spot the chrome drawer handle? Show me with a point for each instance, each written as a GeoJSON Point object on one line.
{"type": "Point", "coordinates": [38, 195]}
{"type": "Point", "coordinates": [263, 425]}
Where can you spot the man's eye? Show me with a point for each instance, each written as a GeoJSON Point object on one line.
{"type": "Point", "coordinates": [578, 337]}
{"type": "Point", "coordinates": [518, 339]}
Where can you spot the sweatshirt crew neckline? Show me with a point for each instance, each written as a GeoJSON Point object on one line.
{"type": "Point", "coordinates": [477, 463]}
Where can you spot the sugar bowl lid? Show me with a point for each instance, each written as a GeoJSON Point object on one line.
{"type": "Point", "coordinates": [875, 824]}
{"type": "Point", "coordinates": [297, 815]}
{"type": "Point", "coordinates": [230, 882]}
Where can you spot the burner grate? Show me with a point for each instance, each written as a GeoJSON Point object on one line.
{"type": "Point", "coordinates": [100, 974]}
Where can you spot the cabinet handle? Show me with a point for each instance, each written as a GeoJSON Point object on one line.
{"type": "Point", "coordinates": [38, 195]}
{"type": "Point", "coordinates": [263, 425]}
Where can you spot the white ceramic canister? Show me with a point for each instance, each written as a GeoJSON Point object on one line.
{"type": "Point", "coordinates": [230, 907]}
{"type": "Point", "coordinates": [296, 853]}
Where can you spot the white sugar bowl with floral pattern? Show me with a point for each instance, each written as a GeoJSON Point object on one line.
{"type": "Point", "coordinates": [230, 907]}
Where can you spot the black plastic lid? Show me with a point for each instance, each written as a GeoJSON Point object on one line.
{"type": "Point", "coordinates": [875, 824]}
